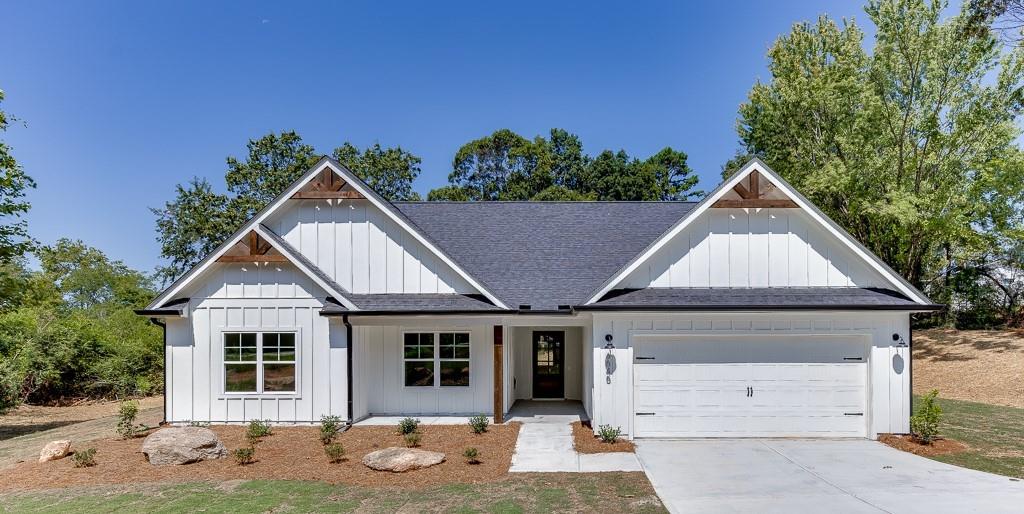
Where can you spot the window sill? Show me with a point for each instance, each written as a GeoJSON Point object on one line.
{"type": "Point", "coordinates": [259, 396]}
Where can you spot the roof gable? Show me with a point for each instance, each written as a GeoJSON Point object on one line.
{"type": "Point", "coordinates": [736, 193]}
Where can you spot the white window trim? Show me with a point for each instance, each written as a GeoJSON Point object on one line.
{"type": "Point", "coordinates": [437, 360]}
{"type": "Point", "coordinates": [224, 393]}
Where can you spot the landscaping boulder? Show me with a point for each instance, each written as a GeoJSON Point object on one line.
{"type": "Point", "coordinates": [182, 445]}
{"type": "Point", "coordinates": [401, 459]}
{"type": "Point", "coordinates": [55, 450]}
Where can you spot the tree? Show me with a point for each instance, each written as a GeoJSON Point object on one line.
{"type": "Point", "coordinates": [910, 147]}
{"type": "Point", "coordinates": [14, 182]}
{"type": "Point", "coordinates": [501, 166]}
{"type": "Point", "coordinates": [199, 218]}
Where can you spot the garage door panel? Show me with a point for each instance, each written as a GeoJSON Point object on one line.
{"type": "Point", "coordinates": [808, 387]}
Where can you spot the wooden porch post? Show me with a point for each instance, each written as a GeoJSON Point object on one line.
{"type": "Point", "coordinates": [499, 376]}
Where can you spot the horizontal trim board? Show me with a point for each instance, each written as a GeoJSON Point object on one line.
{"type": "Point", "coordinates": [758, 308]}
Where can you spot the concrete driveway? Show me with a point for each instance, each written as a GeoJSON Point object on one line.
{"type": "Point", "coordinates": [805, 475]}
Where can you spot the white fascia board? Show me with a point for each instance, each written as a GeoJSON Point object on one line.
{"type": "Point", "coordinates": [755, 164]}
{"type": "Point", "coordinates": [388, 209]}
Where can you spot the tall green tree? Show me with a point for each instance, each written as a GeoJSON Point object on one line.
{"type": "Point", "coordinates": [199, 218]}
{"type": "Point", "coordinates": [14, 183]}
{"type": "Point", "coordinates": [911, 147]}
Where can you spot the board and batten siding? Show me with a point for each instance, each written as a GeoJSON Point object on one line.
{"type": "Point", "coordinates": [378, 375]}
{"type": "Point", "coordinates": [753, 248]}
{"type": "Point", "coordinates": [888, 363]}
{"type": "Point", "coordinates": [248, 297]}
{"type": "Point", "coordinates": [364, 251]}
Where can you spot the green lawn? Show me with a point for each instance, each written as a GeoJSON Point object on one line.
{"type": "Point", "coordinates": [605, 492]}
{"type": "Point", "coordinates": [994, 434]}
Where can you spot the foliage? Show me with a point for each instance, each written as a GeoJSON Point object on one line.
{"type": "Point", "coordinates": [84, 458]}
{"type": "Point", "coordinates": [245, 455]}
{"type": "Point", "coordinates": [471, 454]}
{"type": "Point", "coordinates": [408, 425]}
{"type": "Point", "coordinates": [479, 423]}
{"type": "Point", "coordinates": [608, 434]}
{"type": "Point", "coordinates": [911, 147]}
{"type": "Point", "coordinates": [126, 413]}
{"type": "Point", "coordinates": [412, 439]}
{"type": "Point", "coordinates": [72, 332]}
{"type": "Point", "coordinates": [199, 218]}
{"type": "Point", "coordinates": [10, 388]}
{"type": "Point", "coordinates": [257, 430]}
{"type": "Point", "coordinates": [507, 166]}
{"type": "Point", "coordinates": [329, 428]}
{"type": "Point", "coordinates": [199, 424]}
{"type": "Point", "coordinates": [924, 424]}
{"type": "Point", "coordinates": [335, 452]}
{"type": "Point", "coordinates": [14, 183]}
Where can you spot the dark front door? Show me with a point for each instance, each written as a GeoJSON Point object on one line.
{"type": "Point", "coordinates": [549, 364]}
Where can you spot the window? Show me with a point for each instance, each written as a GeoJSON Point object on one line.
{"type": "Point", "coordinates": [432, 359]}
{"type": "Point", "coordinates": [259, 362]}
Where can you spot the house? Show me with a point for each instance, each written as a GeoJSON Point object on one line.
{"type": "Point", "coordinates": [747, 314]}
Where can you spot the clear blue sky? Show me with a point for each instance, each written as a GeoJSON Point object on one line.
{"type": "Point", "coordinates": [123, 100]}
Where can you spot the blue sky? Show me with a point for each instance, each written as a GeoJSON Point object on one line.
{"type": "Point", "coordinates": [123, 100]}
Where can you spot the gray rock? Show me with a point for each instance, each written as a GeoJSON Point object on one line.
{"type": "Point", "coordinates": [399, 460]}
{"type": "Point", "coordinates": [182, 445]}
{"type": "Point", "coordinates": [55, 450]}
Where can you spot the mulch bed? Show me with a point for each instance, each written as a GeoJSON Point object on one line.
{"type": "Point", "coordinates": [289, 453]}
{"type": "Point", "coordinates": [910, 444]}
{"type": "Point", "coordinates": [584, 440]}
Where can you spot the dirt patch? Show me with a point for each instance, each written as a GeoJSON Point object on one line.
{"type": "Point", "coordinates": [974, 365]}
{"type": "Point", "coordinates": [910, 444]}
{"type": "Point", "coordinates": [584, 440]}
{"type": "Point", "coordinates": [290, 453]}
{"type": "Point", "coordinates": [27, 419]}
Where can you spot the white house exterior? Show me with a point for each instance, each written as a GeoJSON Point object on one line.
{"type": "Point", "coordinates": [747, 314]}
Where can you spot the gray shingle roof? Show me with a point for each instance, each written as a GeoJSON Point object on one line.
{"type": "Point", "coordinates": [757, 298]}
{"type": "Point", "coordinates": [398, 303]}
{"type": "Point", "coordinates": [543, 254]}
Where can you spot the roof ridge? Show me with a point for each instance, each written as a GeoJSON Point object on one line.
{"type": "Point", "coordinates": [574, 202]}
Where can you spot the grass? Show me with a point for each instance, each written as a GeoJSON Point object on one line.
{"type": "Point", "coordinates": [992, 433]}
{"type": "Point", "coordinates": [541, 492]}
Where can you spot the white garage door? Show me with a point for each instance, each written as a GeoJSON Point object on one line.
{"type": "Point", "coordinates": [739, 386]}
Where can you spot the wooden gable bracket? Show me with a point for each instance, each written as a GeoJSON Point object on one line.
{"type": "Point", "coordinates": [753, 198]}
{"type": "Point", "coordinates": [327, 186]}
{"type": "Point", "coordinates": [258, 248]}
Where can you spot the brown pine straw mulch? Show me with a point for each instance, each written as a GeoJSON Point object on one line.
{"type": "Point", "coordinates": [289, 453]}
{"type": "Point", "coordinates": [584, 440]}
{"type": "Point", "coordinates": [909, 443]}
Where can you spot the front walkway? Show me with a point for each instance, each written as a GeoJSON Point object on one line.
{"type": "Point", "coordinates": [545, 441]}
{"type": "Point", "coordinates": [816, 475]}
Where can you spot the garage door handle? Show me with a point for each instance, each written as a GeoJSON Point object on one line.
{"type": "Point", "coordinates": [853, 414]}
{"type": "Point", "coordinates": [644, 358]}
{"type": "Point", "coordinates": [644, 413]}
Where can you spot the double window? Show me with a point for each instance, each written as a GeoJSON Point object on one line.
{"type": "Point", "coordinates": [259, 362]}
{"type": "Point", "coordinates": [432, 359]}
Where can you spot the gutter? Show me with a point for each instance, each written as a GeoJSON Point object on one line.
{"type": "Point", "coordinates": [760, 308]}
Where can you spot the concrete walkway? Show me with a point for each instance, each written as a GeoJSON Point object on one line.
{"type": "Point", "coordinates": [806, 475]}
{"type": "Point", "coordinates": [545, 442]}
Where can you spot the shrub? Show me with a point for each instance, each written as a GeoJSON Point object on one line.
{"type": "Point", "coordinates": [608, 434]}
{"type": "Point", "coordinates": [408, 426]}
{"type": "Point", "coordinates": [471, 455]}
{"type": "Point", "coordinates": [924, 424]}
{"type": "Point", "coordinates": [335, 452]}
{"type": "Point", "coordinates": [10, 388]}
{"type": "Point", "coordinates": [200, 424]}
{"type": "Point", "coordinates": [257, 430]}
{"type": "Point", "coordinates": [84, 458]}
{"type": "Point", "coordinates": [126, 414]}
{"type": "Point", "coordinates": [479, 423]}
{"type": "Point", "coordinates": [329, 428]}
{"type": "Point", "coordinates": [245, 455]}
{"type": "Point", "coordinates": [412, 439]}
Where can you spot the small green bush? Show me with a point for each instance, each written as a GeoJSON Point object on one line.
{"type": "Point", "coordinates": [257, 430]}
{"type": "Point", "coordinates": [335, 452]}
{"type": "Point", "coordinates": [329, 428]}
{"type": "Point", "coordinates": [126, 413]}
{"type": "Point", "coordinates": [84, 458]}
{"type": "Point", "coordinates": [479, 423]}
{"type": "Point", "coordinates": [608, 434]}
{"type": "Point", "coordinates": [408, 426]}
{"type": "Point", "coordinates": [200, 424]}
{"type": "Point", "coordinates": [471, 455]}
{"type": "Point", "coordinates": [246, 455]}
{"type": "Point", "coordinates": [924, 424]}
{"type": "Point", "coordinates": [412, 439]}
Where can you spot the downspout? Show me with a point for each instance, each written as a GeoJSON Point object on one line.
{"type": "Point", "coordinates": [910, 366]}
{"type": "Point", "coordinates": [348, 359]}
{"type": "Point", "coordinates": [163, 327]}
